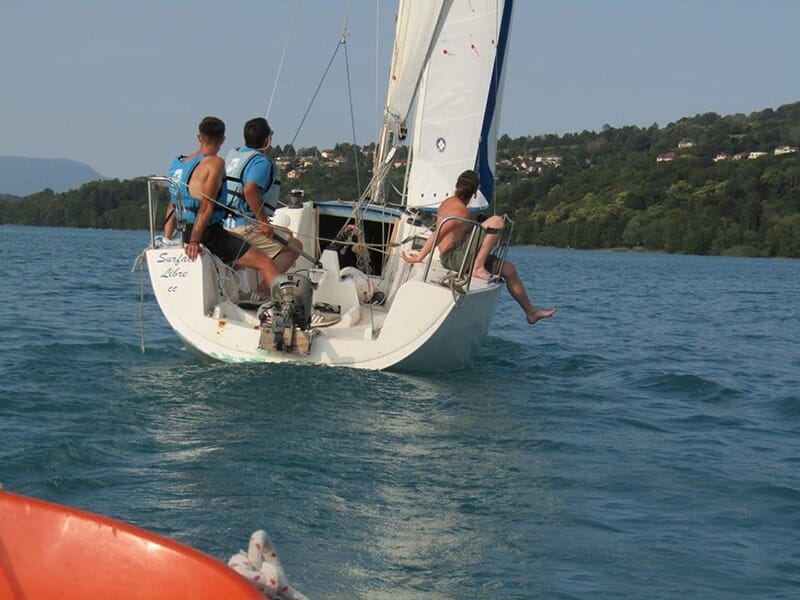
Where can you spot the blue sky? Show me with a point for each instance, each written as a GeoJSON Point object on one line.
{"type": "Point", "coordinates": [121, 85]}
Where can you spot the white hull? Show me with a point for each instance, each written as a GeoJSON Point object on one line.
{"type": "Point", "coordinates": [424, 328]}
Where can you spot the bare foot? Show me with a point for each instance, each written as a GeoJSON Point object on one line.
{"type": "Point", "coordinates": [481, 274]}
{"type": "Point", "coordinates": [540, 314]}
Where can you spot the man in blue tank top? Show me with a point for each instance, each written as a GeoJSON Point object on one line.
{"type": "Point", "coordinates": [253, 182]}
{"type": "Point", "coordinates": [199, 178]}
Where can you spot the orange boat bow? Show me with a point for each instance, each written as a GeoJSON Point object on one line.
{"type": "Point", "coordinates": [53, 551]}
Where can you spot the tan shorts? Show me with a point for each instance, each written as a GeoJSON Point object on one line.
{"type": "Point", "coordinates": [265, 245]}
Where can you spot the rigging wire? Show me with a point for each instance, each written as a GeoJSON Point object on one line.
{"type": "Point", "coordinates": [352, 119]}
{"type": "Point", "coordinates": [283, 57]}
{"type": "Point", "coordinates": [378, 116]}
{"type": "Point", "coordinates": [140, 261]}
{"type": "Point", "coordinates": [342, 42]}
{"type": "Point", "coordinates": [339, 44]}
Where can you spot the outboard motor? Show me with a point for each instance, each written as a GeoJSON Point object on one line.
{"type": "Point", "coordinates": [290, 306]}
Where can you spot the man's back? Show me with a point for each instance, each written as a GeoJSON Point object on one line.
{"type": "Point", "coordinates": [207, 178]}
{"type": "Point", "coordinates": [451, 232]}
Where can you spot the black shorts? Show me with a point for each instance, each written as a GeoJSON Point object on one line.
{"type": "Point", "coordinates": [225, 246]}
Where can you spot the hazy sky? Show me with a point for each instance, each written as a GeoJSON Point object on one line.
{"type": "Point", "coordinates": [121, 85]}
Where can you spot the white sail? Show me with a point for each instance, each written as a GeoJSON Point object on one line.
{"type": "Point", "coordinates": [418, 27]}
{"type": "Point", "coordinates": [457, 109]}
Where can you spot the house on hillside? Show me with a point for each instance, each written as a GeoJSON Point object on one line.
{"type": "Point", "coordinates": [740, 155]}
{"type": "Point", "coordinates": [785, 150]}
{"type": "Point", "coordinates": [548, 160]}
{"type": "Point", "coordinates": [522, 163]}
{"type": "Point", "coordinates": [333, 161]}
{"type": "Point", "coordinates": [666, 157]}
{"type": "Point", "coordinates": [753, 155]}
{"type": "Point", "coordinates": [686, 143]}
{"type": "Point", "coordinates": [722, 156]}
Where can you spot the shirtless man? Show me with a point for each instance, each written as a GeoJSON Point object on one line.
{"type": "Point", "coordinates": [200, 178]}
{"type": "Point", "coordinates": [454, 242]}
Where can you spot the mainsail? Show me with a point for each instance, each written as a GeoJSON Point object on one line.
{"type": "Point", "coordinates": [418, 27]}
{"type": "Point", "coordinates": [458, 104]}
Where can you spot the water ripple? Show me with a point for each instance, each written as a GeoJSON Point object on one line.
{"type": "Point", "coordinates": [635, 445]}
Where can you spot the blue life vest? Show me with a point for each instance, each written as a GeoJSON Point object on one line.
{"type": "Point", "coordinates": [180, 172]}
{"type": "Point", "coordinates": [236, 162]}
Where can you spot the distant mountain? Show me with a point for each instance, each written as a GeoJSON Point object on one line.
{"type": "Point", "coordinates": [24, 176]}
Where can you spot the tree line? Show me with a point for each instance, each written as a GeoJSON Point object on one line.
{"type": "Point", "coordinates": [608, 190]}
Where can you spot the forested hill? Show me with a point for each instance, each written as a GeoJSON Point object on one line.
{"type": "Point", "coordinates": [703, 185]}
{"type": "Point", "coordinates": [707, 184]}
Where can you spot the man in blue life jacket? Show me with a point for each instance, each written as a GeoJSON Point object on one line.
{"type": "Point", "coordinates": [200, 179]}
{"type": "Point", "coordinates": [253, 182]}
{"type": "Point", "coordinates": [454, 244]}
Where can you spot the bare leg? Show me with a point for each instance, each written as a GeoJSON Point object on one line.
{"type": "Point", "coordinates": [266, 266]}
{"type": "Point", "coordinates": [489, 240]}
{"type": "Point", "coordinates": [287, 257]}
{"type": "Point", "coordinates": [517, 291]}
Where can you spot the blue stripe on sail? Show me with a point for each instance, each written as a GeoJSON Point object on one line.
{"type": "Point", "coordinates": [482, 165]}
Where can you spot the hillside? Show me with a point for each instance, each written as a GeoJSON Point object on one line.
{"type": "Point", "coordinates": [707, 184]}
{"type": "Point", "coordinates": [24, 176]}
{"type": "Point", "coordinates": [703, 185]}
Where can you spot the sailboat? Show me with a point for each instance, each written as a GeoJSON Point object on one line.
{"type": "Point", "coordinates": [350, 299]}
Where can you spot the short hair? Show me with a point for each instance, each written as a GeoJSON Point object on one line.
{"type": "Point", "coordinates": [212, 129]}
{"type": "Point", "coordinates": [256, 132]}
{"type": "Point", "coordinates": [467, 185]}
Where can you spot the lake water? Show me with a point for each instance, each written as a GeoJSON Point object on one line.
{"type": "Point", "coordinates": [643, 443]}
